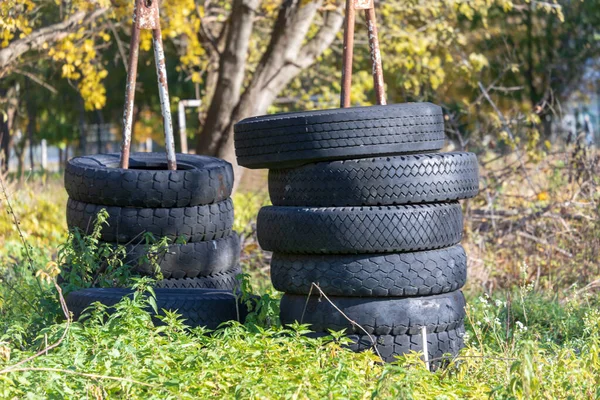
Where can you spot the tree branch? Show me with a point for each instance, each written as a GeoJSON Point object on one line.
{"type": "Point", "coordinates": [322, 40]}
{"type": "Point", "coordinates": [46, 35]}
{"type": "Point", "coordinates": [232, 66]}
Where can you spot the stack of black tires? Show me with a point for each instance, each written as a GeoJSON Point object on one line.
{"type": "Point", "coordinates": [365, 211]}
{"type": "Point", "coordinates": [190, 206]}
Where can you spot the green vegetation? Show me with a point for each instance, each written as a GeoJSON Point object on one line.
{"type": "Point", "coordinates": [537, 335]}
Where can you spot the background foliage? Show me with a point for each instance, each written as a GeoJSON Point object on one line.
{"type": "Point", "coordinates": [499, 68]}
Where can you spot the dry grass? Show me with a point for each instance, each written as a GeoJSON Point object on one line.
{"type": "Point", "coordinates": [544, 229]}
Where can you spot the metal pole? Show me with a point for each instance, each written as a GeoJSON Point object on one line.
{"type": "Point", "coordinates": [348, 54]}
{"type": "Point", "coordinates": [163, 90]}
{"type": "Point", "coordinates": [146, 16]}
{"type": "Point", "coordinates": [375, 56]}
{"type": "Point", "coordinates": [182, 127]}
{"type": "Point", "coordinates": [182, 124]}
{"type": "Point", "coordinates": [130, 89]}
{"type": "Point", "coordinates": [369, 7]}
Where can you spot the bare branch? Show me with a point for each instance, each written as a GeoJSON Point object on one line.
{"type": "Point", "coordinates": [46, 35]}
{"type": "Point", "coordinates": [37, 80]}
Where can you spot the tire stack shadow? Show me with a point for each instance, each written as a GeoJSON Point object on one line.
{"type": "Point", "coordinates": [190, 206]}
{"type": "Point", "coordinates": [365, 224]}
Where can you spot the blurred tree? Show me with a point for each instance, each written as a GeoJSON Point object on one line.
{"type": "Point", "coordinates": [248, 57]}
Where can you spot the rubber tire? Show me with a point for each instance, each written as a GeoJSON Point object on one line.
{"type": "Point", "coordinates": [409, 179]}
{"type": "Point", "coordinates": [126, 224]}
{"type": "Point", "coordinates": [292, 139]}
{"type": "Point", "coordinates": [390, 347]}
{"type": "Point", "coordinates": [376, 315]}
{"type": "Point", "coordinates": [147, 183]}
{"type": "Point", "coordinates": [421, 273]}
{"type": "Point", "coordinates": [189, 260]}
{"type": "Point", "coordinates": [224, 281]}
{"type": "Point", "coordinates": [199, 307]}
{"type": "Point", "coordinates": [356, 230]}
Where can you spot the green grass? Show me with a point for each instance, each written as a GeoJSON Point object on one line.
{"type": "Point", "coordinates": [521, 343]}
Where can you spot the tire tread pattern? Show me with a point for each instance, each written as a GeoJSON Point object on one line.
{"type": "Point", "coordinates": [408, 179]}
{"type": "Point", "coordinates": [189, 260]}
{"type": "Point", "coordinates": [377, 316]}
{"type": "Point", "coordinates": [439, 343]}
{"type": "Point", "coordinates": [97, 179]}
{"type": "Point", "coordinates": [199, 307]}
{"type": "Point", "coordinates": [223, 280]}
{"type": "Point", "coordinates": [286, 140]}
{"type": "Point", "coordinates": [127, 224]}
{"type": "Point", "coordinates": [354, 230]}
{"type": "Point", "coordinates": [420, 273]}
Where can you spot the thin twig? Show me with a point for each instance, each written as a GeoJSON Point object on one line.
{"type": "Point", "coordinates": [37, 80]}
{"type": "Point", "coordinates": [61, 299]}
{"type": "Point", "coordinates": [65, 310]}
{"type": "Point", "coordinates": [508, 130]}
{"type": "Point", "coordinates": [373, 342]}
{"type": "Point", "coordinates": [545, 243]}
{"type": "Point", "coordinates": [119, 45]}
{"type": "Point", "coordinates": [11, 211]}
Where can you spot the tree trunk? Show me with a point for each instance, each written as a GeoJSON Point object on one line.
{"type": "Point", "coordinates": [286, 56]}
{"type": "Point", "coordinates": [7, 123]}
{"type": "Point", "coordinates": [232, 67]}
{"type": "Point", "coordinates": [5, 142]}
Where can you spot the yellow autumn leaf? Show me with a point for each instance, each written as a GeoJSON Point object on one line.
{"type": "Point", "coordinates": [543, 196]}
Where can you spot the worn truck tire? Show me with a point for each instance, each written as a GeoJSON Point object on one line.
{"type": "Point", "coordinates": [292, 139]}
{"type": "Point", "coordinates": [188, 260]}
{"type": "Point", "coordinates": [376, 315]}
{"type": "Point", "coordinates": [224, 280]}
{"type": "Point", "coordinates": [127, 224]}
{"type": "Point", "coordinates": [420, 273]}
{"type": "Point", "coordinates": [199, 307]}
{"type": "Point", "coordinates": [148, 183]}
{"type": "Point", "coordinates": [356, 230]}
{"type": "Point", "coordinates": [440, 343]}
{"type": "Point", "coordinates": [408, 179]}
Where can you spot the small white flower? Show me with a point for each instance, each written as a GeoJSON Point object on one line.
{"type": "Point", "coordinates": [520, 326]}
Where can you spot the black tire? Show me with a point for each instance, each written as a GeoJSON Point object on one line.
{"type": "Point", "coordinates": [376, 315]}
{"type": "Point", "coordinates": [127, 224]}
{"type": "Point", "coordinates": [147, 183]}
{"type": "Point", "coordinates": [389, 347]}
{"type": "Point", "coordinates": [224, 281]}
{"type": "Point", "coordinates": [292, 139]}
{"type": "Point", "coordinates": [355, 230]}
{"type": "Point", "coordinates": [189, 260]}
{"type": "Point", "coordinates": [409, 179]}
{"type": "Point", "coordinates": [199, 307]}
{"type": "Point", "coordinates": [421, 273]}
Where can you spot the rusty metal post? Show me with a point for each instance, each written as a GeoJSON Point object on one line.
{"type": "Point", "coordinates": [132, 62]}
{"type": "Point", "coordinates": [348, 54]}
{"type": "Point", "coordinates": [163, 90]}
{"type": "Point", "coordinates": [369, 7]}
{"type": "Point", "coordinates": [146, 16]}
{"type": "Point", "coordinates": [375, 56]}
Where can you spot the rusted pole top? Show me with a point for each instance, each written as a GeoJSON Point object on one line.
{"type": "Point", "coordinates": [369, 7]}
{"type": "Point", "coordinates": [146, 16]}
